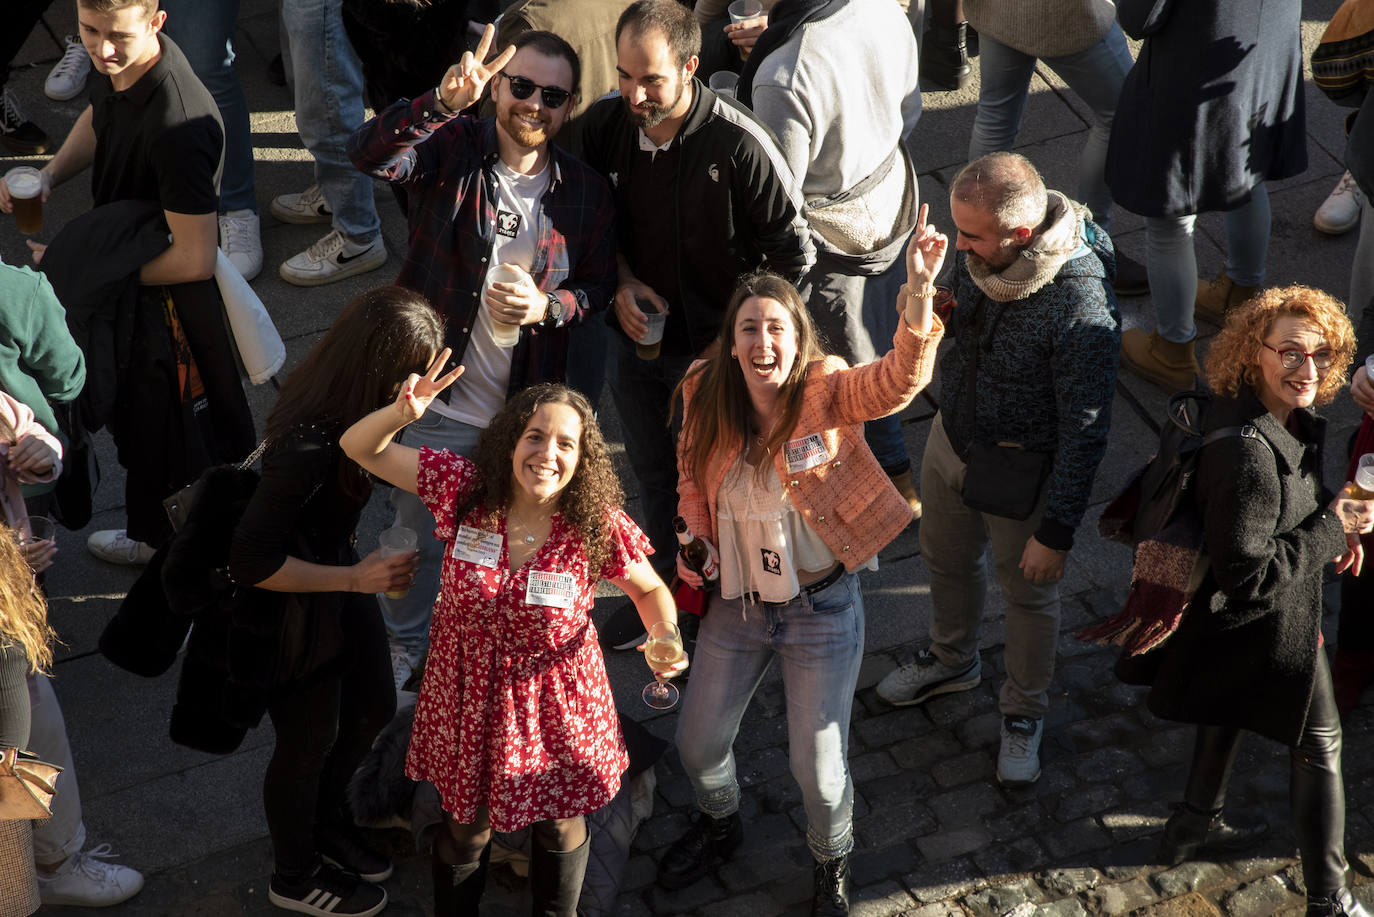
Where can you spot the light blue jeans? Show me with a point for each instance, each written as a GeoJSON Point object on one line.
{"type": "Point", "coordinates": [327, 78]}
{"type": "Point", "coordinates": [1095, 75]}
{"type": "Point", "coordinates": [407, 618]}
{"type": "Point", "coordinates": [1171, 261]}
{"type": "Point", "coordinates": [204, 31]}
{"type": "Point", "coordinates": [820, 641]}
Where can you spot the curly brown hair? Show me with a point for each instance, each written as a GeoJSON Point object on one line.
{"type": "Point", "coordinates": [1233, 362]}
{"type": "Point", "coordinates": [592, 492]}
{"type": "Point", "coordinates": [23, 610]}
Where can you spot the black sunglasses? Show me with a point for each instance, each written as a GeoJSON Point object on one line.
{"type": "Point", "coordinates": [523, 87]}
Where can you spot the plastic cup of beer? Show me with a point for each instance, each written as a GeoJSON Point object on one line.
{"type": "Point", "coordinates": [398, 540]}
{"type": "Point", "coordinates": [1364, 478]}
{"type": "Point", "coordinates": [1369, 368]}
{"type": "Point", "coordinates": [26, 193]}
{"type": "Point", "coordinates": [743, 10]}
{"type": "Point", "coordinates": [723, 83]}
{"type": "Point", "coordinates": [647, 347]}
{"type": "Point", "coordinates": [504, 334]}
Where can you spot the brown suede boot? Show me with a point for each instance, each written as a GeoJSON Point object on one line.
{"type": "Point", "coordinates": [907, 488]}
{"type": "Point", "coordinates": [1218, 296]}
{"type": "Point", "coordinates": [1172, 367]}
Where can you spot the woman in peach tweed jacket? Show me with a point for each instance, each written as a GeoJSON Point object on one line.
{"type": "Point", "coordinates": [773, 469]}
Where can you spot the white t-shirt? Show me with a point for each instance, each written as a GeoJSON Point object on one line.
{"type": "Point", "coordinates": [481, 392]}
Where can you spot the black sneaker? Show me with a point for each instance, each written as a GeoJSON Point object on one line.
{"type": "Point", "coordinates": [329, 892]}
{"type": "Point", "coordinates": [708, 843]}
{"type": "Point", "coordinates": [20, 136]}
{"type": "Point", "coordinates": [344, 848]}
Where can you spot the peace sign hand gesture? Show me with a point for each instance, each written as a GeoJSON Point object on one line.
{"type": "Point", "coordinates": [463, 83]}
{"type": "Point", "coordinates": [418, 391]}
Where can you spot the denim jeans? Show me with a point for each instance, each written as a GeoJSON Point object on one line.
{"type": "Point", "coordinates": [954, 540]}
{"type": "Point", "coordinates": [57, 838]}
{"type": "Point", "coordinates": [643, 391]}
{"type": "Point", "coordinates": [1095, 75]}
{"type": "Point", "coordinates": [1171, 261]}
{"type": "Point", "coordinates": [407, 618]}
{"type": "Point", "coordinates": [327, 77]}
{"type": "Point", "coordinates": [820, 642]}
{"type": "Point", "coordinates": [204, 31]}
{"type": "Point", "coordinates": [587, 346]}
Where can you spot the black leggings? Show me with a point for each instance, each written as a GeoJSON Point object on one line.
{"type": "Point", "coordinates": [1316, 795]}
{"type": "Point", "coordinates": [324, 728]}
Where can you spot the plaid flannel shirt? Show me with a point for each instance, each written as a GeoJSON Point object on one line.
{"type": "Point", "coordinates": [445, 164]}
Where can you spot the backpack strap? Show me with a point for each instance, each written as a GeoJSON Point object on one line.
{"type": "Point", "coordinates": [1248, 431]}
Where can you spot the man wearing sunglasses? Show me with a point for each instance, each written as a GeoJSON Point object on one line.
{"type": "Point", "coordinates": [489, 193]}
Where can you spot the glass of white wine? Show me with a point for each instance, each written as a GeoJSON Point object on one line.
{"type": "Point", "coordinates": [663, 649]}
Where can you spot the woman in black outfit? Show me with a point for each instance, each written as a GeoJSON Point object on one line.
{"type": "Point", "coordinates": [1247, 654]}
{"type": "Point", "coordinates": [333, 691]}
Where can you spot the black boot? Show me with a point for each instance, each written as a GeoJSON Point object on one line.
{"type": "Point", "coordinates": [556, 879]}
{"type": "Point", "coordinates": [1341, 904]}
{"type": "Point", "coordinates": [830, 888]}
{"type": "Point", "coordinates": [707, 843]}
{"type": "Point", "coordinates": [1188, 832]}
{"type": "Point", "coordinates": [458, 888]}
{"type": "Point", "coordinates": [944, 57]}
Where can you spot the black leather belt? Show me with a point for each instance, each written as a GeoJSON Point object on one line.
{"type": "Point", "coordinates": [820, 585]}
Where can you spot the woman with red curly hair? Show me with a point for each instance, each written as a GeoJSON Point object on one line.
{"type": "Point", "coordinates": [1247, 655]}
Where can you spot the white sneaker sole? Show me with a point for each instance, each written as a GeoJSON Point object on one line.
{"type": "Point", "coordinates": [362, 265]}
{"type": "Point", "coordinates": [65, 97]}
{"type": "Point", "coordinates": [1008, 781]}
{"type": "Point", "coordinates": [373, 877]}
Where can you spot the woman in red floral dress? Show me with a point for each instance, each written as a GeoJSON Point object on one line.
{"type": "Point", "coordinates": [515, 723]}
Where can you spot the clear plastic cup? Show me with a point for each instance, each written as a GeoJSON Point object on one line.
{"type": "Point", "coordinates": [397, 540]}
{"type": "Point", "coordinates": [648, 346]}
{"type": "Point", "coordinates": [41, 528]}
{"type": "Point", "coordinates": [1364, 478]}
{"type": "Point", "coordinates": [723, 82]}
{"type": "Point", "coordinates": [505, 335]}
{"type": "Point", "coordinates": [742, 10]}
{"type": "Point", "coordinates": [26, 194]}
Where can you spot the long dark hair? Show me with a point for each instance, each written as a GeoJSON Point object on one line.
{"type": "Point", "coordinates": [721, 412]}
{"type": "Point", "coordinates": [594, 488]}
{"type": "Point", "coordinates": [380, 338]}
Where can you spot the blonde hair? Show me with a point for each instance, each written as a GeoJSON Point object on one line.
{"type": "Point", "coordinates": [23, 610]}
{"type": "Point", "coordinates": [1233, 362]}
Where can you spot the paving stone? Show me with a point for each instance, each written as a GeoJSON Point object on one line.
{"type": "Point", "coordinates": [1188, 906]}
{"type": "Point", "coordinates": [1137, 819]}
{"type": "Point", "coordinates": [1075, 837]}
{"type": "Point", "coordinates": [872, 766]}
{"type": "Point", "coordinates": [763, 732]}
{"type": "Point", "coordinates": [776, 795]}
{"type": "Point", "coordinates": [868, 866]}
{"type": "Point", "coordinates": [1251, 868]}
{"type": "Point", "coordinates": [997, 900]}
{"type": "Point", "coordinates": [1065, 907]}
{"type": "Point", "coordinates": [966, 805]}
{"type": "Point", "coordinates": [1121, 898]}
{"type": "Point", "coordinates": [943, 881]}
{"type": "Point", "coordinates": [1014, 823]}
{"type": "Point", "coordinates": [1076, 804]}
{"type": "Point", "coordinates": [949, 710]}
{"type": "Point", "coordinates": [1189, 877]}
{"type": "Point", "coordinates": [1061, 883]}
{"type": "Point", "coordinates": [944, 845]}
{"type": "Point", "coordinates": [748, 869]}
{"type": "Point", "coordinates": [1129, 860]}
{"type": "Point", "coordinates": [1114, 730]}
{"type": "Point", "coordinates": [886, 899]}
{"type": "Point", "coordinates": [1258, 899]}
{"type": "Point", "coordinates": [640, 872]}
{"type": "Point", "coordinates": [1004, 859]}
{"type": "Point", "coordinates": [756, 904]}
{"type": "Point", "coordinates": [965, 768]}
{"type": "Point", "coordinates": [893, 821]}
{"type": "Point", "coordinates": [920, 754]}
{"type": "Point", "coordinates": [761, 766]}
{"type": "Point", "coordinates": [936, 910]}
{"type": "Point", "coordinates": [1151, 785]}
{"type": "Point", "coordinates": [980, 731]}
{"type": "Point", "coordinates": [694, 896]}
{"type": "Point", "coordinates": [1168, 747]}
{"type": "Point", "coordinates": [1107, 764]}
{"type": "Point", "coordinates": [898, 724]}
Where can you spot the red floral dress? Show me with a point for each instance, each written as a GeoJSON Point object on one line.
{"type": "Point", "coordinates": [515, 712]}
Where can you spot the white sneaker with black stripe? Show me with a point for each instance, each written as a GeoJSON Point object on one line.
{"type": "Point", "coordinates": [328, 891]}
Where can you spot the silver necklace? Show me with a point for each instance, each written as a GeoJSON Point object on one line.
{"type": "Point", "coordinates": [528, 537]}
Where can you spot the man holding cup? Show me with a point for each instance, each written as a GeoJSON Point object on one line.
{"type": "Point", "coordinates": [511, 239]}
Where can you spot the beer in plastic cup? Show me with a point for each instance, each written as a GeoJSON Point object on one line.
{"type": "Point", "coordinates": [397, 540]}
{"type": "Point", "coordinates": [505, 335]}
{"type": "Point", "coordinates": [26, 193]}
{"type": "Point", "coordinates": [648, 346]}
{"type": "Point", "coordinates": [1363, 488]}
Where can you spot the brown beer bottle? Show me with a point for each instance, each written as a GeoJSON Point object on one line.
{"type": "Point", "coordinates": [695, 552]}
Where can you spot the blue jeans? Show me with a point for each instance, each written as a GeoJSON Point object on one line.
{"type": "Point", "coordinates": [820, 640]}
{"type": "Point", "coordinates": [1095, 75]}
{"type": "Point", "coordinates": [204, 31]}
{"type": "Point", "coordinates": [407, 618]}
{"type": "Point", "coordinates": [1171, 261]}
{"type": "Point", "coordinates": [327, 77]}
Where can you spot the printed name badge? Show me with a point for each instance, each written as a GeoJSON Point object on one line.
{"type": "Point", "coordinates": [477, 546]}
{"type": "Point", "coordinates": [806, 452]}
{"type": "Point", "coordinates": [557, 590]}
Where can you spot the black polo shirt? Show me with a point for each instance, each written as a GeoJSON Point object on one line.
{"type": "Point", "coordinates": [159, 140]}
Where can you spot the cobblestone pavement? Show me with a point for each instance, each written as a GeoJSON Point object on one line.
{"type": "Point", "coordinates": [936, 835]}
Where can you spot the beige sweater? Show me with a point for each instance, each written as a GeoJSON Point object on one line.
{"type": "Point", "coordinates": [1041, 28]}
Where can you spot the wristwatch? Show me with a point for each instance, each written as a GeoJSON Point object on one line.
{"type": "Point", "coordinates": [554, 313]}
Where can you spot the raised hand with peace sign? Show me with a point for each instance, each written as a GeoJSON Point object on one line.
{"type": "Point", "coordinates": [464, 82]}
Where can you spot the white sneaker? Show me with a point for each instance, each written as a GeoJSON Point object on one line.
{"type": "Point", "coordinates": [68, 75]}
{"type": "Point", "coordinates": [926, 677]}
{"type": "Point", "coordinates": [240, 238]}
{"type": "Point", "coordinates": [116, 547]}
{"type": "Point", "coordinates": [1018, 761]}
{"type": "Point", "coordinates": [333, 258]}
{"type": "Point", "coordinates": [307, 207]}
{"type": "Point", "coordinates": [85, 881]}
{"type": "Point", "coordinates": [1340, 212]}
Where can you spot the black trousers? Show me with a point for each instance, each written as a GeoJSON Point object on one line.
{"type": "Point", "coordinates": [1316, 794]}
{"type": "Point", "coordinates": [21, 17]}
{"type": "Point", "coordinates": [324, 728]}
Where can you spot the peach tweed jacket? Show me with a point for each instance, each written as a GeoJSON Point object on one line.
{"type": "Point", "coordinates": [847, 498]}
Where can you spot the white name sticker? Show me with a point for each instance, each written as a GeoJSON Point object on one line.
{"type": "Point", "coordinates": [477, 546]}
{"type": "Point", "coordinates": [806, 452]}
{"type": "Point", "coordinates": [557, 590]}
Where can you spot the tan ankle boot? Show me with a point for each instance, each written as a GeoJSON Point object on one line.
{"type": "Point", "coordinates": [1172, 367]}
{"type": "Point", "coordinates": [907, 488]}
{"type": "Point", "coordinates": [1218, 296]}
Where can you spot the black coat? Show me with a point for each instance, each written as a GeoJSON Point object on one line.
{"type": "Point", "coordinates": [1246, 652]}
{"type": "Point", "coordinates": [1212, 107]}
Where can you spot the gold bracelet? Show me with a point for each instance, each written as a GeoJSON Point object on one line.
{"type": "Point", "coordinates": [926, 292]}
